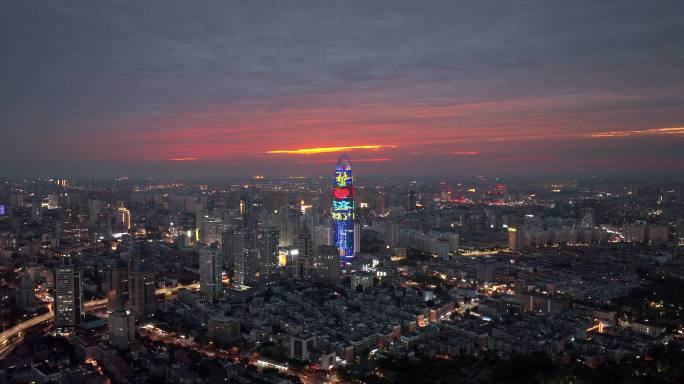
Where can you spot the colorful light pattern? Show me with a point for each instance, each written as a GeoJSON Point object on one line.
{"type": "Point", "coordinates": [341, 193]}
{"type": "Point", "coordinates": [343, 210]}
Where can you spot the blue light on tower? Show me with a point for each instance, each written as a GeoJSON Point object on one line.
{"type": "Point", "coordinates": [343, 210]}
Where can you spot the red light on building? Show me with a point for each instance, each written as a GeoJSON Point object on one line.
{"type": "Point", "coordinates": [341, 193]}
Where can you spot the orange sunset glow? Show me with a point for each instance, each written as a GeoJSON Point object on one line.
{"type": "Point", "coordinates": [313, 151]}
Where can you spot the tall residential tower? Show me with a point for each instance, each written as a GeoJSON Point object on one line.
{"type": "Point", "coordinates": [210, 269]}
{"type": "Point", "coordinates": [68, 296]}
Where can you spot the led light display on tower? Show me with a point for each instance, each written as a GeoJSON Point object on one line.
{"type": "Point", "coordinates": [343, 210]}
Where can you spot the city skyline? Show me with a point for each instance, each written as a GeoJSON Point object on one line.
{"type": "Point", "coordinates": [437, 88]}
{"type": "Point", "coordinates": [332, 192]}
{"type": "Point", "coordinates": [322, 280]}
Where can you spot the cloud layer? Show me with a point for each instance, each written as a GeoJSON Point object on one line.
{"type": "Point", "coordinates": [119, 87]}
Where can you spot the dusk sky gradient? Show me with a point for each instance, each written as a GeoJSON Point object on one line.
{"type": "Point", "coordinates": [145, 88]}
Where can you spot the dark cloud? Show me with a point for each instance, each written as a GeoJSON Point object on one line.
{"type": "Point", "coordinates": [75, 68]}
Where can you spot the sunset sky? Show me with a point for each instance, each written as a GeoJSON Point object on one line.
{"type": "Point", "coordinates": [221, 88]}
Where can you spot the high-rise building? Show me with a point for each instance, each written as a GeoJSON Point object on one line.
{"type": "Point", "coordinates": [412, 201]}
{"type": "Point", "coordinates": [484, 272]}
{"type": "Point", "coordinates": [121, 324]}
{"type": "Point", "coordinates": [17, 201]}
{"type": "Point", "coordinates": [453, 243]}
{"type": "Point", "coordinates": [657, 234]}
{"type": "Point", "coordinates": [357, 238]}
{"type": "Point", "coordinates": [210, 272]}
{"type": "Point", "coordinates": [68, 297]}
{"type": "Point", "coordinates": [514, 239]}
{"type": "Point", "coordinates": [244, 242]}
{"type": "Point", "coordinates": [122, 219]}
{"type": "Point", "coordinates": [305, 253]}
{"type": "Point", "coordinates": [634, 233]}
{"type": "Point", "coordinates": [141, 285]}
{"type": "Point", "coordinates": [94, 208]}
{"type": "Point", "coordinates": [364, 279]}
{"type": "Point", "coordinates": [302, 346]}
{"type": "Point", "coordinates": [322, 233]}
{"type": "Point", "coordinates": [442, 249]}
{"type": "Point", "coordinates": [680, 230]}
{"type": "Point", "coordinates": [25, 297]}
{"type": "Point", "coordinates": [36, 209]}
{"type": "Point", "coordinates": [343, 210]}
{"type": "Point", "coordinates": [118, 287]}
{"type": "Point", "coordinates": [223, 329]}
{"type": "Point", "coordinates": [327, 265]}
{"type": "Point", "coordinates": [210, 229]}
{"type": "Point", "coordinates": [227, 250]}
{"type": "Point", "coordinates": [200, 226]}
{"type": "Point", "coordinates": [57, 236]}
{"type": "Point", "coordinates": [268, 239]}
{"type": "Point", "coordinates": [587, 218]}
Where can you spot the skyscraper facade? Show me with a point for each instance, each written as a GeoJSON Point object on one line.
{"type": "Point", "coordinates": [326, 265]}
{"type": "Point", "coordinates": [244, 241]}
{"type": "Point", "coordinates": [118, 286]}
{"type": "Point", "coordinates": [121, 328]}
{"type": "Point", "coordinates": [68, 297]}
{"type": "Point", "coordinates": [304, 255]}
{"type": "Point", "coordinates": [141, 285]}
{"type": "Point", "coordinates": [343, 210]}
{"type": "Point", "coordinates": [210, 272]}
{"type": "Point", "coordinates": [268, 239]}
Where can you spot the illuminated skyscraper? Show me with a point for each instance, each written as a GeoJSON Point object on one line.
{"type": "Point", "coordinates": [343, 210]}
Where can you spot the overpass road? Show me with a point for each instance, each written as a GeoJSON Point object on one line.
{"type": "Point", "coordinates": [8, 335]}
